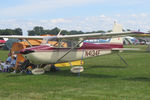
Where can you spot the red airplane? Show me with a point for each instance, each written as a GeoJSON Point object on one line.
{"type": "Point", "coordinates": [2, 43]}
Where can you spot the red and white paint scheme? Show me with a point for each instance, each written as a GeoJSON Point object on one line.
{"type": "Point", "coordinates": [76, 49]}
{"type": "Point", "coordinates": [67, 48]}
{"type": "Point", "coordinates": [46, 54]}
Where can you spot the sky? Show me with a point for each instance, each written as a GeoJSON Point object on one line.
{"type": "Point", "coordinates": [84, 15]}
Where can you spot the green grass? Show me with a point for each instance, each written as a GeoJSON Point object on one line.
{"type": "Point", "coordinates": [104, 78]}
{"type": "Point", "coordinates": [142, 47]}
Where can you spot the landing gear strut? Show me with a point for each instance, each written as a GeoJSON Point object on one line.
{"type": "Point", "coordinates": [54, 68]}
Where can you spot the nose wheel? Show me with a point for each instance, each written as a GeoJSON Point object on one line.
{"type": "Point", "coordinates": [40, 69]}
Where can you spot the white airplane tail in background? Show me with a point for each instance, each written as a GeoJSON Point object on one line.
{"type": "Point", "coordinates": [117, 28]}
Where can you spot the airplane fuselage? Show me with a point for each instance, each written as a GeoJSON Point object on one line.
{"type": "Point", "coordinates": [45, 54]}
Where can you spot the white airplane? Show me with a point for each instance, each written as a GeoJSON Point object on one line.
{"type": "Point", "coordinates": [67, 48]}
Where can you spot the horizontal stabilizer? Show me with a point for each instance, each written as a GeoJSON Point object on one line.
{"type": "Point", "coordinates": [126, 49]}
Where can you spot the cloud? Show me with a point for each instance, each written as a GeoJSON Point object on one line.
{"type": "Point", "coordinates": [134, 15]}
{"type": "Point", "coordinates": [35, 7]}
{"type": "Point", "coordinates": [143, 15]}
{"type": "Point", "coordinates": [118, 15]}
{"type": "Point", "coordinates": [60, 20]}
{"type": "Point", "coordinates": [90, 23]}
{"type": "Point", "coordinates": [41, 6]}
{"type": "Point", "coordinates": [102, 16]}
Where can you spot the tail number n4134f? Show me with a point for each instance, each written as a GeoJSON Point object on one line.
{"type": "Point", "coordinates": [92, 53]}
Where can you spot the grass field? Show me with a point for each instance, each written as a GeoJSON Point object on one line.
{"type": "Point", "coordinates": [104, 78]}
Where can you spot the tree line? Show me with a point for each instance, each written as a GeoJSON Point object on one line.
{"type": "Point", "coordinates": [39, 30]}
{"type": "Point", "coordinates": [16, 31]}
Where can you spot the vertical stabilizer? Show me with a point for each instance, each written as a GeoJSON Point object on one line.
{"type": "Point", "coordinates": [117, 28]}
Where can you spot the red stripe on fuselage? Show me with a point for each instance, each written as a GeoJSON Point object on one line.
{"type": "Point", "coordinates": [2, 41]}
{"type": "Point", "coordinates": [100, 46]}
{"type": "Point", "coordinates": [84, 46]}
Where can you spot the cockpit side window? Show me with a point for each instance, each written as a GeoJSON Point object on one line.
{"type": "Point", "coordinates": [61, 43]}
{"type": "Point", "coordinates": [71, 43]}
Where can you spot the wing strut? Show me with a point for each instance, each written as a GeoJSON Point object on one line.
{"type": "Point", "coordinates": [69, 51]}
{"type": "Point", "coordinates": [28, 42]}
{"type": "Point", "coordinates": [122, 59]}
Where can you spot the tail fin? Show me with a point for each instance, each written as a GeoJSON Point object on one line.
{"type": "Point", "coordinates": [117, 28]}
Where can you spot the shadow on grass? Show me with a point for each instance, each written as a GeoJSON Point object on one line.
{"type": "Point", "coordinates": [67, 73]}
{"type": "Point", "coordinates": [89, 75]}
{"type": "Point", "coordinates": [138, 79]}
{"type": "Point", "coordinates": [106, 67]}
{"type": "Point", "coordinates": [17, 75]}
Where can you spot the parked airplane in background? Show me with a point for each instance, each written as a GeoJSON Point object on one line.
{"type": "Point", "coordinates": [126, 40]}
{"type": "Point", "coordinates": [2, 42]}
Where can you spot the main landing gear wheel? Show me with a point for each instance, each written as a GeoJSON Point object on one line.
{"type": "Point", "coordinates": [38, 71]}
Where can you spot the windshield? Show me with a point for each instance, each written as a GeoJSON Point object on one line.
{"type": "Point", "coordinates": [60, 43]}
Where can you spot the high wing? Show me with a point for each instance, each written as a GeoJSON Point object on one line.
{"type": "Point", "coordinates": [77, 37]}
{"type": "Point", "coordinates": [98, 35]}
{"type": "Point", "coordinates": [143, 35]}
{"type": "Point", "coordinates": [21, 37]}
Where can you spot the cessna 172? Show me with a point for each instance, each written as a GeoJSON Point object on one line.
{"type": "Point", "coordinates": [67, 48]}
